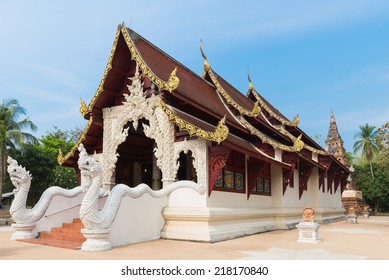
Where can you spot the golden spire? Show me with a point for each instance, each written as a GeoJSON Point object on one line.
{"type": "Point", "coordinates": [207, 69]}
{"type": "Point", "coordinates": [206, 63]}
{"type": "Point", "coordinates": [251, 87]}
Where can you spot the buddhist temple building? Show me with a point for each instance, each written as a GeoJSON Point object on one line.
{"type": "Point", "coordinates": [152, 120]}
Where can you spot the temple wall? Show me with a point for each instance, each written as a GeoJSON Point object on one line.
{"type": "Point", "coordinates": [226, 215]}
{"type": "Point", "coordinates": [329, 207]}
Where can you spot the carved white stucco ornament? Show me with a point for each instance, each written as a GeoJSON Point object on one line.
{"type": "Point", "coordinates": [97, 222]}
{"type": "Point", "coordinates": [137, 107]}
{"type": "Point", "coordinates": [26, 219]}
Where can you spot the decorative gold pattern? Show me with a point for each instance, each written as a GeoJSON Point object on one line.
{"type": "Point", "coordinates": [219, 135]}
{"type": "Point", "coordinates": [61, 159]}
{"type": "Point", "coordinates": [293, 138]}
{"type": "Point", "coordinates": [298, 144]}
{"type": "Point", "coordinates": [207, 68]}
{"type": "Point", "coordinates": [263, 105]}
{"type": "Point", "coordinates": [83, 108]}
{"type": "Point", "coordinates": [108, 67]}
{"type": "Point", "coordinates": [173, 81]}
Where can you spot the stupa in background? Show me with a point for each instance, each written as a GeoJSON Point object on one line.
{"type": "Point", "coordinates": [351, 197]}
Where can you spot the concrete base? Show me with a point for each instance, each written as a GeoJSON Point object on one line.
{"type": "Point", "coordinates": [96, 240]}
{"type": "Point", "coordinates": [308, 232]}
{"type": "Point", "coordinates": [23, 231]}
{"type": "Point", "coordinates": [352, 219]}
{"type": "Point", "coordinates": [208, 224]}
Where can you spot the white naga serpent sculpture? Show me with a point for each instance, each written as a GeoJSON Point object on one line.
{"type": "Point", "coordinates": [95, 219]}
{"type": "Point", "coordinates": [21, 179]}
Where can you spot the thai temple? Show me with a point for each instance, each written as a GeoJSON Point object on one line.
{"type": "Point", "coordinates": [210, 163]}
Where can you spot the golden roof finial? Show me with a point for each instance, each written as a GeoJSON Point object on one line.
{"type": "Point", "coordinates": [221, 131]}
{"type": "Point", "coordinates": [298, 144]}
{"type": "Point", "coordinates": [172, 82]}
{"type": "Point", "coordinates": [206, 64]}
{"type": "Point", "coordinates": [251, 87]}
{"type": "Point", "coordinates": [84, 110]}
{"type": "Point", "coordinates": [295, 120]}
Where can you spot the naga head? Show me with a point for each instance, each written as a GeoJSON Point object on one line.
{"type": "Point", "coordinates": [89, 166]}
{"type": "Point", "coordinates": [19, 175]}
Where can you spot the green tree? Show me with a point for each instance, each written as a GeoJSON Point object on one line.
{"type": "Point", "coordinates": [374, 190]}
{"type": "Point", "coordinates": [41, 160]}
{"type": "Point", "coordinates": [41, 164]}
{"type": "Point", "coordinates": [11, 134]}
{"type": "Point", "coordinates": [382, 141]}
{"type": "Point", "coordinates": [55, 140]}
{"type": "Point", "coordinates": [365, 144]}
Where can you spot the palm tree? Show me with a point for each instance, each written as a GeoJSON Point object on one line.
{"type": "Point", "coordinates": [11, 134]}
{"type": "Point", "coordinates": [365, 143]}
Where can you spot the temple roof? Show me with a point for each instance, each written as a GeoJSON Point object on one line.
{"type": "Point", "coordinates": [209, 102]}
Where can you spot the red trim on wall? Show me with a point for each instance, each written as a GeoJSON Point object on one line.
{"type": "Point", "coordinates": [255, 168]}
{"type": "Point", "coordinates": [305, 173]}
{"type": "Point", "coordinates": [218, 156]}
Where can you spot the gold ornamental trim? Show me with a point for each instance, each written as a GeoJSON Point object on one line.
{"type": "Point", "coordinates": [208, 69]}
{"type": "Point", "coordinates": [61, 159]}
{"type": "Point", "coordinates": [298, 144]}
{"type": "Point", "coordinates": [173, 81]}
{"type": "Point", "coordinates": [84, 111]}
{"type": "Point", "coordinates": [219, 135]}
{"type": "Point", "coordinates": [293, 138]}
{"type": "Point", "coordinates": [273, 114]}
{"type": "Point", "coordinates": [283, 121]}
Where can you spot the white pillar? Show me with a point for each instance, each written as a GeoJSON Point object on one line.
{"type": "Point", "coordinates": [156, 181]}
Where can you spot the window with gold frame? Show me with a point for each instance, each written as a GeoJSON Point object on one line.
{"type": "Point", "coordinates": [262, 184]}
{"type": "Point", "coordinates": [232, 176]}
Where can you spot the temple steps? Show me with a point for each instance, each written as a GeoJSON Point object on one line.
{"type": "Point", "coordinates": [68, 236]}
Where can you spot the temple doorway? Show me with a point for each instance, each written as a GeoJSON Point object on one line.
{"type": "Point", "coordinates": [136, 162]}
{"type": "Point", "coordinates": [186, 170]}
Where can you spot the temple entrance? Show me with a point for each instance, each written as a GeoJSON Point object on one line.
{"type": "Point", "coordinates": [136, 162]}
{"type": "Point", "coordinates": [186, 170]}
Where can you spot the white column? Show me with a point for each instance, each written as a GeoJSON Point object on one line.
{"type": "Point", "coordinates": [156, 181]}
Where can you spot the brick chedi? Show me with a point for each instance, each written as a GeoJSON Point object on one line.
{"type": "Point", "coordinates": [334, 143]}
{"type": "Point", "coordinates": [351, 197]}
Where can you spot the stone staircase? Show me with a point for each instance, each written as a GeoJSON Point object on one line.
{"type": "Point", "coordinates": [68, 236]}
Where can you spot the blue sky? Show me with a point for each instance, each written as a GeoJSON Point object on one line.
{"type": "Point", "coordinates": [305, 57]}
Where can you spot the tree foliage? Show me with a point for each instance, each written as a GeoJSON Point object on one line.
{"type": "Point", "coordinates": [11, 132]}
{"type": "Point", "coordinates": [41, 160]}
{"type": "Point", "coordinates": [365, 144]}
{"type": "Point", "coordinates": [375, 190]}
{"type": "Point", "coordinates": [382, 142]}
